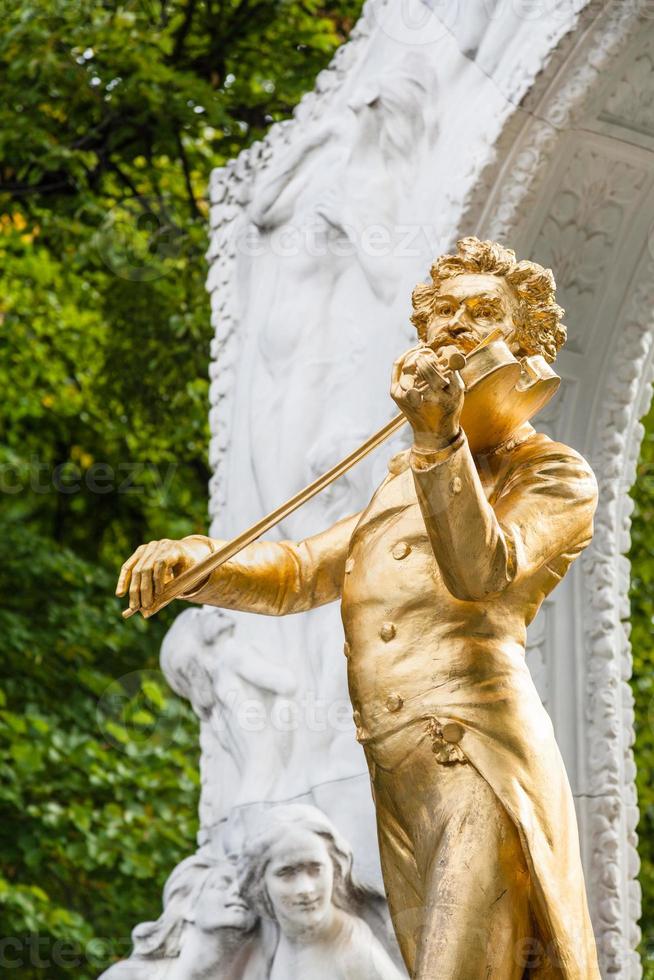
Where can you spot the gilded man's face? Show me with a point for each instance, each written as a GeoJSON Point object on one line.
{"type": "Point", "coordinates": [468, 308]}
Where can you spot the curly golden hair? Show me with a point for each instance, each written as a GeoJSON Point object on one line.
{"type": "Point", "coordinates": [538, 327]}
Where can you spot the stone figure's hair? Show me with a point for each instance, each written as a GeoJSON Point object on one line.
{"type": "Point", "coordinates": [538, 327]}
{"type": "Point", "coordinates": [163, 938]}
{"type": "Point", "coordinates": [347, 893]}
{"type": "Point", "coordinates": [404, 94]}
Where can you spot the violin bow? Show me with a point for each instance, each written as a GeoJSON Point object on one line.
{"type": "Point", "coordinates": [195, 575]}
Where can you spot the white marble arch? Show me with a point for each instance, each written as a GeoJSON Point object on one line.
{"type": "Point", "coordinates": [528, 122]}
{"type": "Point", "coordinates": [573, 187]}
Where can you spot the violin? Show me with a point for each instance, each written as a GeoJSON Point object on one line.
{"type": "Point", "coordinates": [502, 392]}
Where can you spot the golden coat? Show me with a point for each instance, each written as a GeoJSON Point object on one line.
{"type": "Point", "coordinates": [439, 577]}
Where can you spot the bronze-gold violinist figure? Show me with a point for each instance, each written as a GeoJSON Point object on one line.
{"type": "Point", "coordinates": [438, 578]}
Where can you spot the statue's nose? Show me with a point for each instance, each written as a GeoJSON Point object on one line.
{"type": "Point", "coordinates": [305, 886]}
{"type": "Point", "coordinates": [455, 324]}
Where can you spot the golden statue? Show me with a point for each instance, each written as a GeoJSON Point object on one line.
{"type": "Point", "coordinates": [439, 577]}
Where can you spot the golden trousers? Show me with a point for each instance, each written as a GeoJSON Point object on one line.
{"type": "Point", "coordinates": [456, 879]}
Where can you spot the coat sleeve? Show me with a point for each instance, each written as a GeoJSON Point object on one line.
{"type": "Point", "coordinates": [280, 577]}
{"type": "Point", "coordinates": [541, 515]}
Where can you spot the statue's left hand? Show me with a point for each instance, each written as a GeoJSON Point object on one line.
{"type": "Point", "coordinates": [430, 395]}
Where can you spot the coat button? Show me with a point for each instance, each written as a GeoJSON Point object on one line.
{"type": "Point", "coordinates": [349, 565]}
{"type": "Point", "coordinates": [387, 632]}
{"type": "Point", "coordinates": [452, 732]}
{"type": "Point", "coordinates": [401, 550]}
{"type": "Point", "coordinates": [346, 649]}
{"type": "Point", "coordinates": [394, 702]}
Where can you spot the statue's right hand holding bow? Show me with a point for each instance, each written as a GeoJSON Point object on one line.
{"type": "Point", "coordinates": [154, 565]}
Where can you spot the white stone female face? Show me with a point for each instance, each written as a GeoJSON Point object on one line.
{"type": "Point", "coordinates": [299, 879]}
{"type": "Point", "coordinates": [468, 308]}
{"type": "Point", "coordinates": [220, 905]}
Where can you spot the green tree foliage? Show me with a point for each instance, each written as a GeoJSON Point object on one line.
{"type": "Point", "coordinates": [642, 630]}
{"type": "Point", "coordinates": [112, 115]}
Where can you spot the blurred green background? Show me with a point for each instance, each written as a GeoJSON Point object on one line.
{"type": "Point", "coordinates": [111, 117]}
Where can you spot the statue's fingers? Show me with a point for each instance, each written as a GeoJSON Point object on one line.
{"type": "Point", "coordinates": [159, 574]}
{"type": "Point", "coordinates": [135, 591]}
{"type": "Point", "coordinates": [407, 381]}
{"type": "Point", "coordinates": [406, 360]}
{"type": "Point", "coordinates": [456, 383]}
{"type": "Point", "coordinates": [429, 355]}
{"type": "Point", "coordinates": [145, 560]}
{"type": "Point", "coordinates": [126, 571]}
{"type": "Point", "coordinates": [144, 568]}
{"type": "Point", "coordinates": [396, 373]}
{"type": "Point", "coordinates": [428, 372]}
{"type": "Point", "coordinates": [404, 398]}
{"type": "Point", "coordinates": [162, 562]}
{"type": "Point", "coordinates": [412, 359]}
{"type": "Point", "coordinates": [398, 394]}
{"type": "Point", "coordinates": [147, 591]}
{"type": "Point", "coordinates": [413, 398]}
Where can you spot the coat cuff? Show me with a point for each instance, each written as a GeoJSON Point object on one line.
{"type": "Point", "coordinates": [426, 460]}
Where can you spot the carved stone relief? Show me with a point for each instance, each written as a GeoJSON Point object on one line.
{"type": "Point", "coordinates": [631, 102]}
{"type": "Point", "coordinates": [252, 914]}
{"type": "Point", "coordinates": [594, 197]}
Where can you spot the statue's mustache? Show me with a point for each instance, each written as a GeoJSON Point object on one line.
{"type": "Point", "coordinates": [465, 338]}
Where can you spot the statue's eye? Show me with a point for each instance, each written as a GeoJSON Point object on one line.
{"type": "Point", "coordinates": [487, 312]}
{"type": "Point", "coordinates": [445, 309]}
